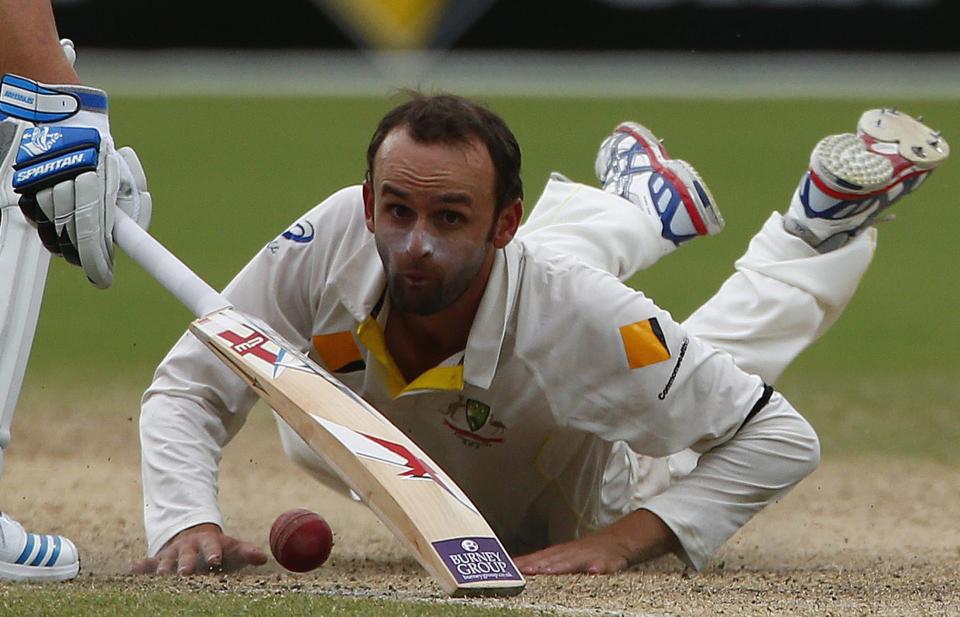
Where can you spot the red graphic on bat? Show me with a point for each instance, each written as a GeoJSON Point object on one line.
{"type": "Point", "coordinates": [416, 468]}
{"type": "Point", "coordinates": [252, 344]}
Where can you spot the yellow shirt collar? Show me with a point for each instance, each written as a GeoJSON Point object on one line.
{"type": "Point", "coordinates": [442, 377]}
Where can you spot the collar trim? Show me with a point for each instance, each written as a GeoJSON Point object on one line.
{"type": "Point", "coordinates": [443, 377]}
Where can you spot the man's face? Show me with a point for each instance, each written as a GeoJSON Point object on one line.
{"type": "Point", "coordinates": [431, 209]}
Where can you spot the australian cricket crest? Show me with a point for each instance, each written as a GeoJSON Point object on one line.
{"type": "Point", "coordinates": [470, 420]}
{"type": "Point", "coordinates": [477, 414]}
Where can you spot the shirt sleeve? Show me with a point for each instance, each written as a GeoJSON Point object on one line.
{"type": "Point", "coordinates": [190, 411]}
{"type": "Point", "coordinates": [196, 403]}
{"type": "Point", "coordinates": [617, 366]}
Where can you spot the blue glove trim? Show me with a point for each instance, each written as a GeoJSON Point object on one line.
{"type": "Point", "coordinates": [28, 100]}
{"type": "Point", "coordinates": [26, 84]}
{"type": "Point", "coordinates": [43, 142]}
{"type": "Point", "coordinates": [90, 101]}
{"type": "Point", "coordinates": [51, 171]}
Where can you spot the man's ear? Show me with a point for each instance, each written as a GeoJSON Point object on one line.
{"type": "Point", "coordinates": [368, 204]}
{"type": "Point", "coordinates": [508, 221]}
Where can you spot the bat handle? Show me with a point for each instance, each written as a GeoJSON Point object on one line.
{"type": "Point", "coordinates": [165, 267]}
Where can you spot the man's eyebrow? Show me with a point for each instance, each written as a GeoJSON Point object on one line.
{"type": "Point", "coordinates": [455, 197]}
{"type": "Point", "coordinates": [395, 190]}
{"type": "Point", "coordinates": [450, 197]}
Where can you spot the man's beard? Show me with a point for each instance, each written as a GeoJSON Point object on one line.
{"type": "Point", "coordinates": [437, 293]}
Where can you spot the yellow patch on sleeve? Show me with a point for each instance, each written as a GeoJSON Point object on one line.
{"type": "Point", "coordinates": [337, 350]}
{"type": "Point", "coordinates": [644, 343]}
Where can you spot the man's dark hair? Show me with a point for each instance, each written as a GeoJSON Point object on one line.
{"type": "Point", "coordinates": [450, 119]}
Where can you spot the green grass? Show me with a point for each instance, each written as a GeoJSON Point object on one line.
{"type": "Point", "coordinates": [906, 415]}
{"type": "Point", "coordinates": [228, 175]}
{"type": "Point", "coordinates": [121, 599]}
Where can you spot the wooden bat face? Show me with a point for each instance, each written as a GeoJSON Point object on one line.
{"type": "Point", "coordinates": [410, 493]}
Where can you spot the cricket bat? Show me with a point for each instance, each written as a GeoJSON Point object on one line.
{"type": "Point", "coordinates": [408, 492]}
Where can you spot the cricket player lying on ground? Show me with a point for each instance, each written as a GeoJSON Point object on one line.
{"type": "Point", "coordinates": [499, 347]}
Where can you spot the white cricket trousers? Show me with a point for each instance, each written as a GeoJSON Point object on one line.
{"type": "Point", "coordinates": [782, 296]}
{"type": "Point", "coordinates": [23, 272]}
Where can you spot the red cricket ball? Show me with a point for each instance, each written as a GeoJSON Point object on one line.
{"type": "Point", "coordinates": [300, 540]}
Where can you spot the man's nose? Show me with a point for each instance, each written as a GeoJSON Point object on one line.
{"type": "Point", "coordinates": [420, 241]}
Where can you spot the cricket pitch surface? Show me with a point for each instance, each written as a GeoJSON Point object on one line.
{"type": "Point", "coordinates": [860, 536]}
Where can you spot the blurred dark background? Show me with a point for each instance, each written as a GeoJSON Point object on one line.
{"type": "Point", "coordinates": [596, 25]}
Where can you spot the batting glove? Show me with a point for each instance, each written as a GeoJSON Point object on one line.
{"type": "Point", "coordinates": [68, 173]}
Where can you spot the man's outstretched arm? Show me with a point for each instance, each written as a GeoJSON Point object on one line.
{"type": "Point", "coordinates": [637, 537]}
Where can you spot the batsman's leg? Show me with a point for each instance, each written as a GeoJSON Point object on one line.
{"type": "Point", "coordinates": [23, 272]}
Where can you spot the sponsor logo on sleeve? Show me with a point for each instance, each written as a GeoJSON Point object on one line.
{"type": "Point", "coordinates": [301, 232]}
{"type": "Point", "coordinates": [676, 368]}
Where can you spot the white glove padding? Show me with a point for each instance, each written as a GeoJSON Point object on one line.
{"type": "Point", "coordinates": [132, 196]}
{"type": "Point", "coordinates": [82, 210]}
{"type": "Point", "coordinates": [10, 131]}
{"type": "Point", "coordinates": [69, 51]}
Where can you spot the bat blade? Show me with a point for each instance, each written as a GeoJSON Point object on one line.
{"type": "Point", "coordinates": [411, 494]}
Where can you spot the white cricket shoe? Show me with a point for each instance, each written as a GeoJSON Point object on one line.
{"type": "Point", "coordinates": [852, 179]}
{"type": "Point", "coordinates": [633, 164]}
{"type": "Point", "coordinates": [26, 556]}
